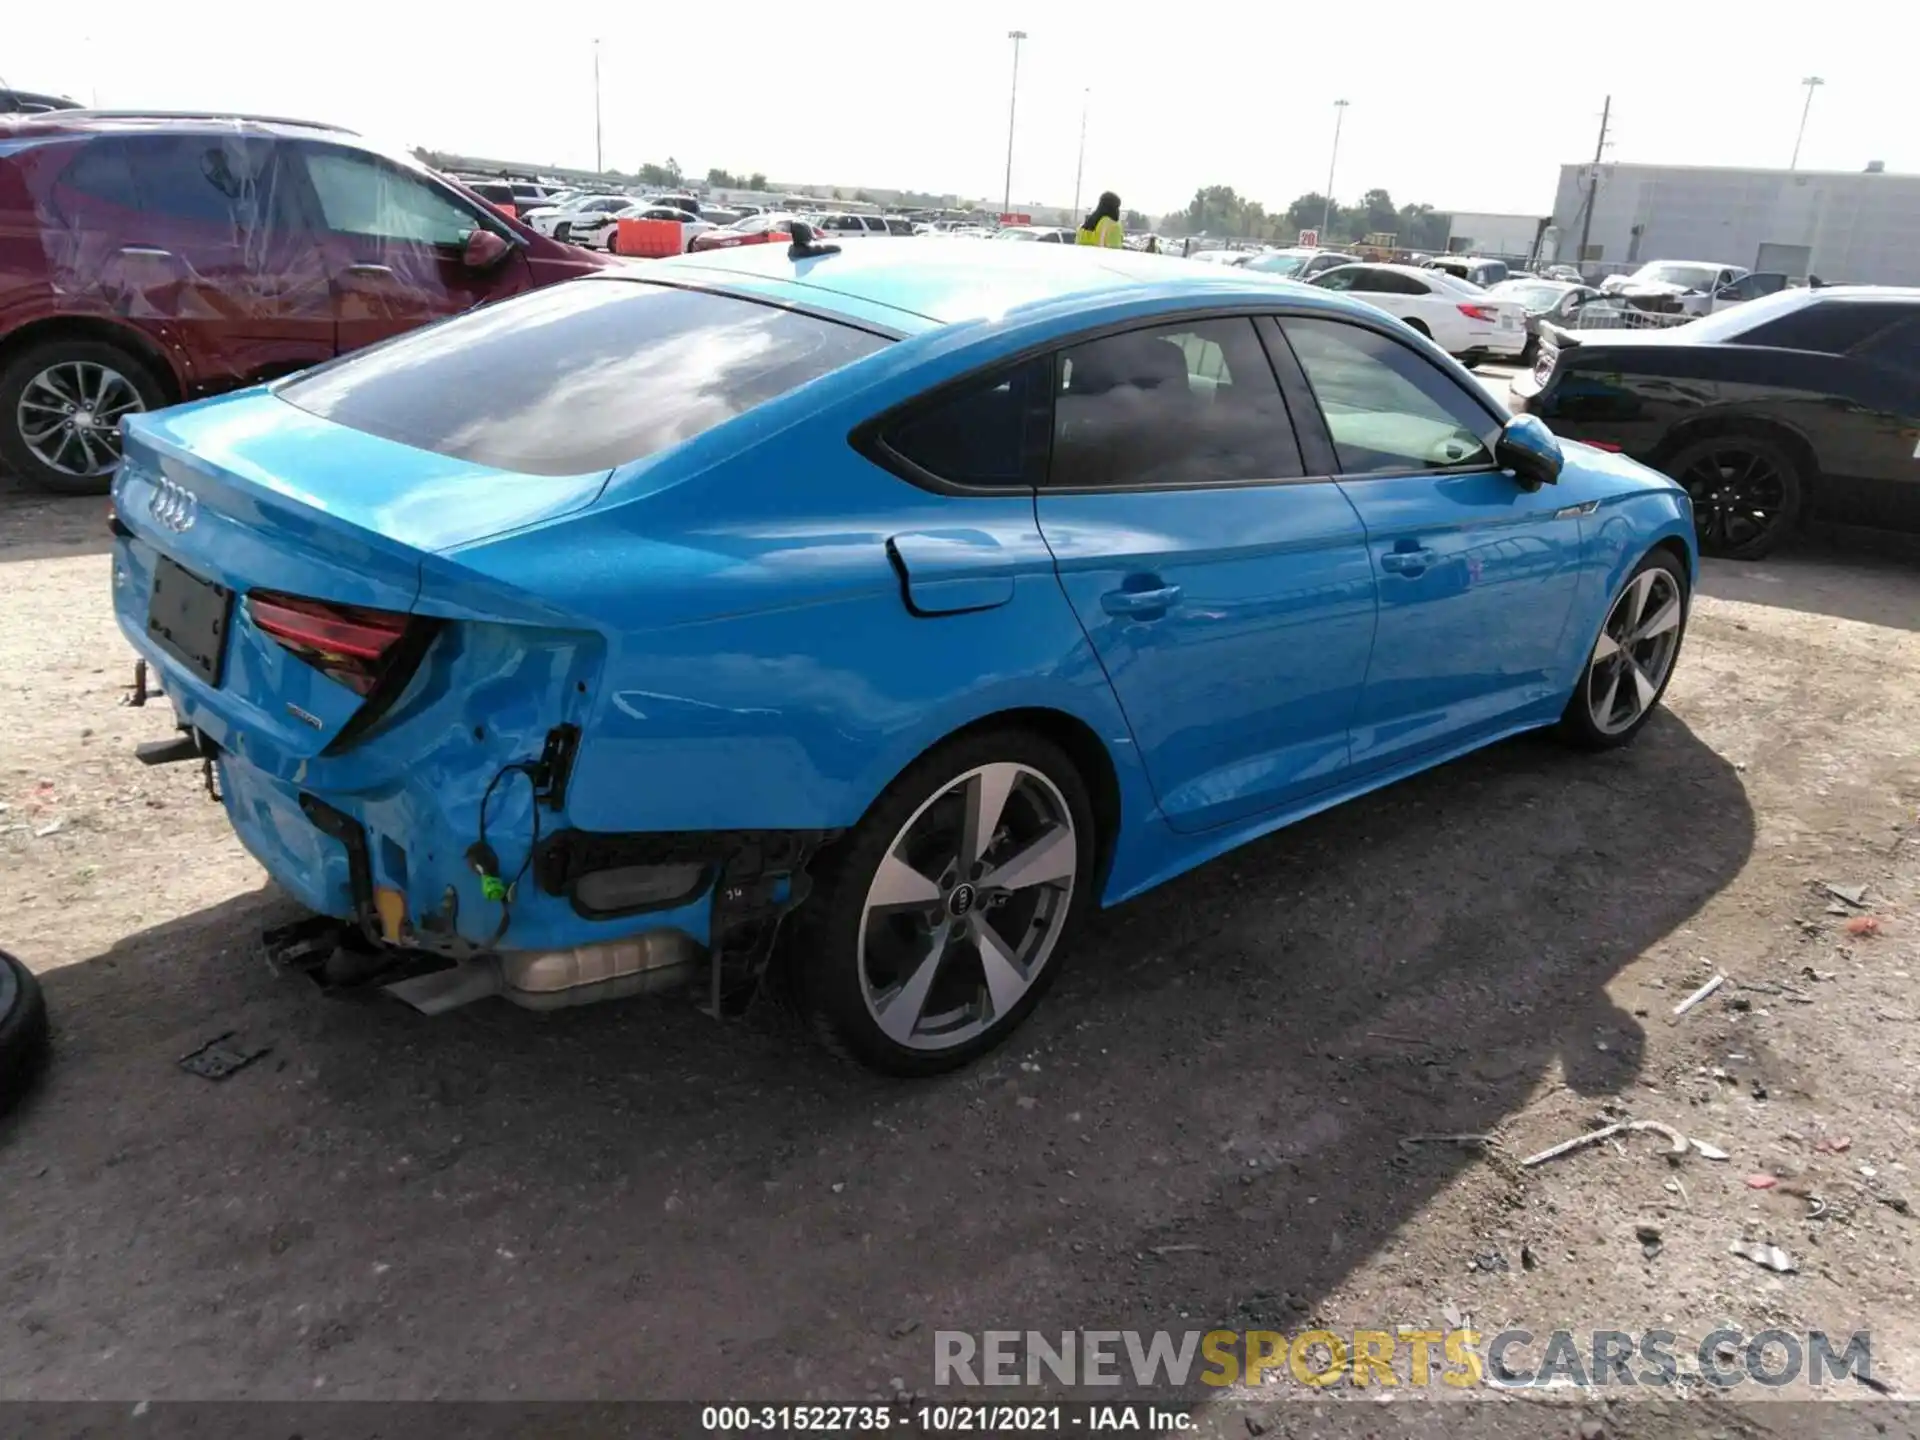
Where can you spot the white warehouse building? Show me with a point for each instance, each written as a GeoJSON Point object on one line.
{"type": "Point", "coordinates": [1857, 226]}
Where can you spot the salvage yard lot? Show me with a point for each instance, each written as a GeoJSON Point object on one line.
{"type": "Point", "coordinates": [1202, 1126]}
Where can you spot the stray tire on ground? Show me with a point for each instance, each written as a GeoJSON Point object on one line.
{"type": "Point", "coordinates": [23, 1028]}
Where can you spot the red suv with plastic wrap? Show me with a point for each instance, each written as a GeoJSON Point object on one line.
{"type": "Point", "coordinates": [148, 259]}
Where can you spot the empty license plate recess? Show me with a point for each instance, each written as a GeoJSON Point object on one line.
{"type": "Point", "coordinates": [187, 617]}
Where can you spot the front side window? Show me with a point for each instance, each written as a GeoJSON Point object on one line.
{"type": "Point", "coordinates": [976, 434]}
{"type": "Point", "coordinates": [1389, 409]}
{"type": "Point", "coordinates": [359, 195]}
{"type": "Point", "coordinates": [577, 377]}
{"type": "Point", "coordinates": [1186, 404]}
{"type": "Point", "coordinates": [1345, 277]}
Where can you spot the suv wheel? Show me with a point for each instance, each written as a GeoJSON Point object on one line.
{"type": "Point", "coordinates": [61, 404]}
{"type": "Point", "coordinates": [938, 917]}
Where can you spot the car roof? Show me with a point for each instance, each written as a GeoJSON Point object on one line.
{"type": "Point", "coordinates": [941, 281]}
{"type": "Point", "coordinates": [55, 124]}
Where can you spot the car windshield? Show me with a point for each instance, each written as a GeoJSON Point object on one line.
{"type": "Point", "coordinates": [546, 384]}
{"type": "Point", "coordinates": [1693, 277]}
{"type": "Point", "coordinates": [1018, 235]}
{"type": "Point", "coordinates": [1281, 264]}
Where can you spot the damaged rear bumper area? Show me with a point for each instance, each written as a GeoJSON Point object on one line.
{"type": "Point", "coordinates": [441, 909]}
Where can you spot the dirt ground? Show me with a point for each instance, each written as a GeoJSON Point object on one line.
{"type": "Point", "coordinates": [1204, 1125]}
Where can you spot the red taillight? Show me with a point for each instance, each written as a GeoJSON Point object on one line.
{"type": "Point", "coordinates": [1480, 312]}
{"type": "Point", "coordinates": [345, 641]}
{"type": "Point", "coordinates": [1607, 445]}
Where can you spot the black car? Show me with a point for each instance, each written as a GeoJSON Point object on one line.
{"type": "Point", "coordinates": [1801, 404]}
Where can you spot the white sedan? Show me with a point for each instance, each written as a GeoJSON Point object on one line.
{"type": "Point", "coordinates": [597, 231]}
{"type": "Point", "coordinates": [1456, 315]}
{"type": "Point", "coordinates": [564, 222]}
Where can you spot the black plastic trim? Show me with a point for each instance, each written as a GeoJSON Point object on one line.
{"type": "Point", "coordinates": [567, 855]}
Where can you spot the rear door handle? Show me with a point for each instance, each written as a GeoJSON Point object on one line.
{"type": "Point", "coordinates": [369, 272]}
{"type": "Point", "coordinates": [1139, 602]}
{"type": "Point", "coordinates": [1407, 562]}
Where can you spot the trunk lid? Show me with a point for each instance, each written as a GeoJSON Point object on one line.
{"type": "Point", "coordinates": [254, 495]}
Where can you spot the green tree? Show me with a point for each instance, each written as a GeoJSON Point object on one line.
{"type": "Point", "coordinates": [724, 179]}
{"type": "Point", "coordinates": [757, 181]}
{"type": "Point", "coordinates": [1134, 220]}
{"type": "Point", "coordinates": [651, 174]}
{"type": "Point", "coordinates": [863, 197]}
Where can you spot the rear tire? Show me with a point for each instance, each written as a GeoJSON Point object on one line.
{"type": "Point", "coordinates": [23, 1028]}
{"type": "Point", "coordinates": [1747, 493]}
{"type": "Point", "coordinates": [1419, 327]}
{"type": "Point", "coordinates": [562, 230]}
{"type": "Point", "coordinates": [910, 959]}
{"type": "Point", "coordinates": [1633, 657]}
{"type": "Point", "coordinates": [57, 383]}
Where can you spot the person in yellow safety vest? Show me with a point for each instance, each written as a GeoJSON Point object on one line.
{"type": "Point", "coordinates": [1102, 225]}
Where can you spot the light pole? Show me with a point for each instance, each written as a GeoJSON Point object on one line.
{"type": "Point", "coordinates": [1326, 215]}
{"type": "Point", "coordinates": [1013, 99]}
{"type": "Point", "coordinates": [599, 165]}
{"type": "Point", "coordinates": [1080, 167]}
{"type": "Point", "coordinates": [1811, 82]}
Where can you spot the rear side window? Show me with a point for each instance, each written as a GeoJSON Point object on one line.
{"type": "Point", "coordinates": [976, 435]}
{"type": "Point", "coordinates": [578, 377]}
{"type": "Point", "coordinates": [229, 182]}
{"type": "Point", "coordinates": [1186, 404]}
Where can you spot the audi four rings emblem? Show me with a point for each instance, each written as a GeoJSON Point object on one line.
{"type": "Point", "coordinates": [174, 505]}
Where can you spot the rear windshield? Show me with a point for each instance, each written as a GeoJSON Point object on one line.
{"type": "Point", "coordinates": [577, 377]}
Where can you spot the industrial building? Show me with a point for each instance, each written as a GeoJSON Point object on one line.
{"type": "Point", "coordinates": [1858, 226]}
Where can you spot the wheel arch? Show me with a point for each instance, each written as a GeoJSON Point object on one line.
{"type": "Point", "coordinates": [1083, 746]}
{"type": "Point", "coordinates": [1714, 426]}
{"type": "Point", "coordinates": [105, 331]}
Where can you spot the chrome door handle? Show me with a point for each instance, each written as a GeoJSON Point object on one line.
{"type": "Point", "coordinates": [1139, 602]}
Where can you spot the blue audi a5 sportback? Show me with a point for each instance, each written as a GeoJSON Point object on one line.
{"type": "Point", "coordinates": [859, 616]}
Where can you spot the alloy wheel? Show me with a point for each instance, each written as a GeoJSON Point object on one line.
{"type": "Point", "coordinates": [1635, 651]}
{"type": "Point", "coordinates": [966, 906]}
{"type": "Point", "coordinates": [1738, 496]}
{"type": "Point", "coordinates": [69, 416]}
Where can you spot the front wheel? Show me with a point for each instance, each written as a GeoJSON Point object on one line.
{"type": "Point", "coordinates": [562, 231]}
{"type": "Point", "coordinates": [939, 916]}
{"type": "Point", "coordinates": [1632, 659]}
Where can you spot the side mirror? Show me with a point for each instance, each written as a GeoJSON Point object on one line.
{"type": "Point", "coordinates": [1527, 447]}
{"type": "Point", "coordinates": [483, 249]}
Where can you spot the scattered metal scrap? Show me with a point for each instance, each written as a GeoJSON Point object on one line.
{"type": "Point", "coordinates": [1676, 1142]}
{"type": "Point", "coordinates": [216, 1059]}
{"type": "Point", "coordinates": [1697, 996]}
{"type": "Point", "coordinates": [1771, 1257]}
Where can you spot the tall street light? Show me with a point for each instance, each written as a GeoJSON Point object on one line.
{"type": "Point", "coordinates": [599, 165]}
{"type": "Point", "coordinates": [1080, 167]}
{"type": "Point", "coordinates": [1326, 216]}
{"type": "Point", "coordinates": [1013, 99]}
{"type": "Point", "coordinates": [1811, 82]}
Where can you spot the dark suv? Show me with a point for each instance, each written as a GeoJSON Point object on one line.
{"type": "Point", "coordinates": [147, 259]}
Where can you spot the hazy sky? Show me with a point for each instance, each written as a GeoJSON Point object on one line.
{"type": "Point", "coordinates": [1465, 106]}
